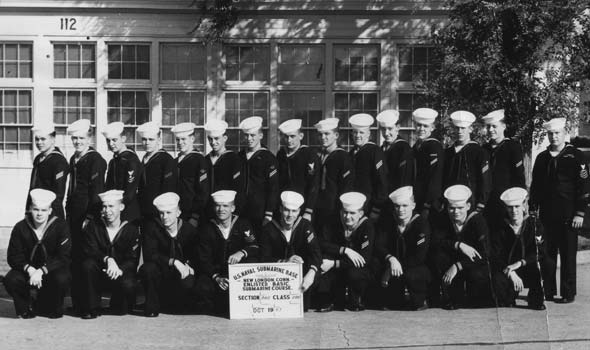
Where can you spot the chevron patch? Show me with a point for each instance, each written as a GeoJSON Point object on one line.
{"type": "Point", "coordinates": [203, 178]}
{"type": "Point", "coordinates": [421, 240]}
{"type": "Point", "coordinates": [94, 176]}
{"type": "Point", "coordinates": [236, 175]}
{"type": "Point", "coordinates": [401, 164]}
{"type": "Point", "coordinates": [346, 174]}
{"type": "Point", "coordinates": [64, 242]}
{"type": "Point", "coordinates": [379, 164]}
{"type": "Point", "coordinates": [433, 161]}
{"type": "Point", "coordinates": [365, 244]}
{"type": "Point", "coordinates": [167, 175]}
{"type": "Point", "coordinates": [59, 175]}
{"type": "Point", "coordinates": [272, 173]}
{"type": "Point", "coordinates": [519, 164]}
{"type": "Point", "coordinates": [485, 168]}
{"type": "Point", "coordinates": [310, 238]}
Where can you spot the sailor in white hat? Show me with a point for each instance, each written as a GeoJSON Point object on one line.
{"type": "Point", "coordinates": [560, 191]}
{"type": "Point", "coordinates": [292, 239]}
{"type": "Point", "coordinates": [336, 173]}
{"type": "Point", "coordinates": [124, 170]}
{"type": "Point", "coordinates": [348, 252]}
{"type": "Point", "coordinates": [461, 252]}
{"type": "Point", "coordinates": [299, 165]}
{"type": "Point", "coordinates": [159, 170]}
{"type": "Point", "coordinates": [112, 251]}
{"type": "Point", "coordinates": [261, 178]}
{"type": "Point", "coordinates": [370, 177]}
{"type": "Point", "coordinates": [466, 162]}
{"type": "Point", "coordinates": [224, 240]}
{"type": "Point", "coordinates": [170, 259]}
{"type": "Point", "coordinates": [514, 244]}
{"type": "Point", "coordinates": [506, 161]}
{"type": "Point", "coordinates": [50, 167]}
{"type": "Point", "coordinates": [398, 153]}
{"type": "Point", "coordinates": [193, 178]}
{"type": "Point", "coordinates": [404, 252]}
{"type": "Point", "coordinates": [429, 160]}
{"type": "Point", "coordinates": [225, 166]}
{"type": "Point", "coordinates": [38, 255]}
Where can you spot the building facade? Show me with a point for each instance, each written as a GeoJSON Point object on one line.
{"type": "Point", "coordinates": [135, 61]}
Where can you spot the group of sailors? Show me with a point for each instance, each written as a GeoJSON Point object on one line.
{"type": "Point", "coordinates": [393, 226]}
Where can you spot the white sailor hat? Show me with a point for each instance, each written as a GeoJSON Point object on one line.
{"type": "Point", "coordinates": [353, 201]}
{"type": "Point", "coordinates": [493, 117]}
{"type": "Point", "coordinates": [215, 127]}
{"type": "Point", "coordinates": [290, 126]}
{"type": "Point", "coordinates": [457, 194]}
{"type": "Point", "coordinates": [425, 116]}
{"type": "Point", "coordinates": [112, 195]}
{"type": "Point", "coordinates": [45, 128]}
{"type": "Point", "coordinates": [462, 119]}
{"type": "Point", "coordinates": [291, 200]}
{"type": "Point", "coordinates": [361, 121]}
{"type": "Point", "coordinates": [514, 196]}
{"type": "Point", "coordinates": [223, 196]}
{"type": "Point", "coordinates": [402, 194]}
{"type": "Point", "coordinates": [327, 124]}
{"type": "Point", "coordinates": [80, 127]}
{"type": "Point", "coordinates": [388, 118]}
{"type": "Point", "coordinates": [148, 129]}
{"type": "Point", "coordinates": [251, 125]}
{"type": "Point", "coordinates": [183, 129]}
{"type": "Point", "coordinates": [114, 129]}
{"type": "Point", "coordinates": [554, 124]}
{"type": "Point", "coordinates": [42, 198]}
{"type": "Point", "coordinates": [166, 201]}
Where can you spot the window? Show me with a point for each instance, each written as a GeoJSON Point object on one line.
{"type": "Point", "coordinates": [298, 63]}
{"type": "Point", "coordinates": [74, 61]}
{"type": "Point", "coordinates": [417, 63]}
{"type": "Point", "coordinates": [16, 60]}
{"type": "Point", "coordinates": [247, 63]}
{"type": "Point", "coordinates": [16, 111]}
{"type": "Point", "coordinates": [130, 107]}
{"type": "Point", "coordinates": [181, 107]}
{"type": "Point", "coordinates": [183, 62]}
{"type": "Point", "coordinates": [309, 107]}
{"type": "Point", "coordinates": [129, 61]}
{"type": "Point", "coordinates": [69, 106]}
{"type": "Point", "coordinates": [242, 105]}
{"type": "Point", "coordinates": [407, 103]}
{"type": "Point", "coordinates": [356, 63]}
{"type": "Point", "coordinates": [347, 104]}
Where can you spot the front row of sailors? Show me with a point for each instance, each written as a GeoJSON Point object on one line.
{"type": "Point", "coordinates": [186, 268]}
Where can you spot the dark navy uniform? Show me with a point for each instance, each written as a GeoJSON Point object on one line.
{"type": "Point", "coordinates": [469, 167]}
{"type": "Point", "coordinates": [560, 190]}
{"type": "Point", "coordinates": [509, 247]}
{"type": "Point", "coordinates": [370, 176]}
{"type": "Point", "coordinates": [50, 172]}
{"type": "Point", "coordinates": [428, 188]}
{"type": "Point", "coordinates": [51, 254]}
{"type": "Point", "coordinates": [445, 252]}
{"type": "Point", "coordinates": [192, 186]}
{"type": "Point", "coordinates": [401, 168]}
{"type": "Point", "coordinates": [123, 173]}
{"type": "Point", "coordinates": [261, 186]}
{"type": "Point", "coordinates": [161, 280]}
{"type": "Point", "coordinates": [410, 248]}
{"type": "Point", "coordinates": [98, 247]}
{"type": "Point", "coordinates": [300, 172]}
{"type": "Point", "coordinates": [158, 176]}
{"type": "Point", "coordinates": [336, 178]}
{"type": "Point", "coordinates": [333, 242]}
{"type": "Point", "coordinates": [214, 251]}
{"type": "Point", "coordinates": [507, 171]}
{"type": "Point", "coordinates": [226, 174]}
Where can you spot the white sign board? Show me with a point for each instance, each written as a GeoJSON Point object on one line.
{"type": "Point", "coordinates": [265, 291]}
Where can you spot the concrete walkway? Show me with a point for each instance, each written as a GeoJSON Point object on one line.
{"type": "Point", "coordinates": [559, 327]}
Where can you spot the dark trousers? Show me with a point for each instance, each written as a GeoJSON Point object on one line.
{"type": "Point", "coordinates": [531, 278]}
{"type": "Point", "coordinates": [164, 289]}
{"type": "Point", "coordinates": [50, 298]}
{"type": "Point", "coordinates": [560, 237]}
{"type": "Point", "coordinates": [471, 285]}
{"type": "Point", "coordinates": [415, 279]}
{"type": "Point", "coordinates": [76, 217]}
{"type": "Point", "coordinates": [94, 281]}
{"type": "Point", "coordinates": [331, 286]}
{"type": "Point", "coordinates": [210, 296]}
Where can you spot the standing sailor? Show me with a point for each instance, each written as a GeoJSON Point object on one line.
{"type": "Point", "coordinates": [124, 170]}
{"type": "Point", "coordinates": [299, 166]}
{"type": "Point", "coordinates": [50, 167]}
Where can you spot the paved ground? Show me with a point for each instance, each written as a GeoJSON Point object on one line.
{"type": "Point", "coordinates": [559, 327]}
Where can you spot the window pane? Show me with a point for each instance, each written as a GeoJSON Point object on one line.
{"type": "Point", "coordinates": [183, 62]}
{"type": "Point", "coordinates": [356, 63]}
{"type": "Point", "coordinates": [247, 63]}
{"type": "Point", "coordinates": [129, 61]}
